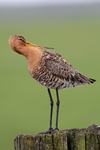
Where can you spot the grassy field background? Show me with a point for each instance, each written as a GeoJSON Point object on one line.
{"type": "Point", "coordinates": [24, 104]}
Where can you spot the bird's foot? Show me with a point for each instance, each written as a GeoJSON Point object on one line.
{"type": "Point", "coordinates": [50, 131]}
{"type": "Point", "coordinates": [56, 129]}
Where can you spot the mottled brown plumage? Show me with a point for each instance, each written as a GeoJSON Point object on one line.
{"type": "Point", "coordinates": [48, 68]}
{"type": "Point", "coordinates": [55, 72]}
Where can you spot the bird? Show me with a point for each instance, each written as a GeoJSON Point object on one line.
{"type": "Point", "coordinates": [50, 70]}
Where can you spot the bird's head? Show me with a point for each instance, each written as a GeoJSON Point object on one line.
{"type": "Point", "coordinates": [18, 42]}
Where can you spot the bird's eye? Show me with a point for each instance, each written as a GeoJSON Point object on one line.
{"type": "Point", "coordinates": [21, 39]}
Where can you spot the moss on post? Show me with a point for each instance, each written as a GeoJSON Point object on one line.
{"type": "Point", "coordinates": [74, 139]}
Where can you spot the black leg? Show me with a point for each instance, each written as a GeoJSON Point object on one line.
{"type": "Point", "coordinates": [51, 103]}
{"type": "Point", "coordinates": [50, 127]}
{"type": "Point", "coordinates": [57, 103]}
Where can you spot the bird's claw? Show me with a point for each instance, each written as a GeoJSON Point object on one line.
{"type": "Point", "coordinates": [50, 131]}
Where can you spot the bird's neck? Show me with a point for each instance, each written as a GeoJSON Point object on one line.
{"type": "Point", "coordinates": [22, 50]}
{"type": "Point", "coordinates": [33, 57]}
{"type": "Point", "coordinates": [32, 54]}
{"type": "Point", "coordinates": [29, 52]}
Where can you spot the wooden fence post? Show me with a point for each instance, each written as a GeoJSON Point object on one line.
{"type": "Point", "coordinates": [73, 139]}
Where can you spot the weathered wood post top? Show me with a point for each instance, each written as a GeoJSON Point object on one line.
{"type": "Point", "coordinates": [73, 139]}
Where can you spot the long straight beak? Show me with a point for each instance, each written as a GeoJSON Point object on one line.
{"type": "Point", "coordinates": [31, 44]}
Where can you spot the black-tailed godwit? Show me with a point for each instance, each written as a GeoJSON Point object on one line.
{"type": "Point", "coordinates": [49, 69]}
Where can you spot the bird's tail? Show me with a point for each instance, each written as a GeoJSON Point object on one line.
{"type": "Point", "coordinates": [85, 79]}
{"type": "Point", "coordinates": [92, 80]}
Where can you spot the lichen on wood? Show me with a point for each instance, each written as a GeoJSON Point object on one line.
{"type": "Point", "coordinates": [73, 139]}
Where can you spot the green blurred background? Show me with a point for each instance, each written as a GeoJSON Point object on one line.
{"type": "Point", "coordinates": [74, 32]}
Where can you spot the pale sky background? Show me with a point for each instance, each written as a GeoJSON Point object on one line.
{"type": "Point", "coordinates": [43, 2]}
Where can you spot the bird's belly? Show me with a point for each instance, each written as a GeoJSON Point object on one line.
{"type": "Point", "coordinates": [60, 85]}
{"type": "Point", "coordinates": [52, 85]}
{"type": "Point", "coordinates": [51, 81]}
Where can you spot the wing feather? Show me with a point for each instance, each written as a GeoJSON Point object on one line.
{"type": "Point", "coordinates": [59, 67]}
